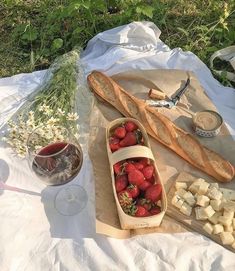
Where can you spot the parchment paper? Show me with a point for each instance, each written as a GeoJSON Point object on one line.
{"type": "Point", "coordinates": [169, 164]}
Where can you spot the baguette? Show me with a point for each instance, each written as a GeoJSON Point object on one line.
{"type": "Point", "coordinates": [161, 128]}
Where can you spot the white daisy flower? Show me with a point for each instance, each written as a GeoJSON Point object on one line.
{"type": "Point", "coordinates": [52, 121]}
{"type": "Point", "coordinates": [72, 116]}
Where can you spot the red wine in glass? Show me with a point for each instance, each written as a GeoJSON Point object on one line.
{"type": "Point", "coordinates": [57, 163]}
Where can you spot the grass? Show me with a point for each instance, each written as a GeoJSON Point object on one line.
{"type": "Point", "coordinates": [34, 32]}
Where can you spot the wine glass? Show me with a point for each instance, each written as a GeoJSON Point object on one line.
{"type": "Point", "coordinates": [56, 157]}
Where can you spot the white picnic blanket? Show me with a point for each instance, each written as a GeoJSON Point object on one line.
{"type": "Point", "coordinates": [33, 236]}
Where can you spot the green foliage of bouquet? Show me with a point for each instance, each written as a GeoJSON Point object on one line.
{"type": "Point", "coordinates": [51, 105]}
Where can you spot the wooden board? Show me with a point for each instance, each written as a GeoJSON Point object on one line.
{"type": "Point", "coordinates": [190, 221]}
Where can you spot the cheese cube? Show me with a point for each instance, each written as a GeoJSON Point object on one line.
{"type": "Point", "coordinates": [233, 222]}
{"type": "Point", "coordinates": [199, 181]}
{"type": "Point", "coordinates": [208, 228]}
{"type": "Point", "coordinates": [225, 221]}
{"type": "Point", "coordinates": [216, 204]}
{"type": "Point", "coordinates": [195, 185]}
{"type": "Point", "coordinates": [228, 193]}
{"type": "Point", "coordinates": [203, 187]}
{"type": "Point", "coordinates": [214, 193]}
{"type": "Point", "coordinates": [177, 201]}
{"type": "Point", "coordinates": [229, 205]}
{"type": "Point", "coordinates": [228, 228]}
{"type": "Point", "coordinates": [186, 209]}
{"type": "Point", "coordinates": [209, 211]}
{"type": "Point", "coordinates": [223, 200]}
{"type": "Point", "coordinates": [218, 228]}
{"type": "Point", "coordinates": [180, 192]}
{"type": "Point", "coordinates": [216, 185]}
{"type": "Point", "coordinates": [214, 219]}
{"type": "Point", "coordinates": [179, 185]}
{"type": "Point", "coordinates": [193, 188]}
{"type": "Point", "coordinates": [227, 238]}
{"type": "Point", "coordinates": [202, 200]}
{"type": "Point", "coordinates": [229, 214]}
{"type": "Point", "coordinates": [200, 214]}
{"type": "Point", "coordinates": [189, 198]}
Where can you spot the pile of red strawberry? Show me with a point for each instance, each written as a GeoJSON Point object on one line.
{"type": "Point", "coordinates": [135, 180]}
{"type": "Point", "coordinates": [125, 135]}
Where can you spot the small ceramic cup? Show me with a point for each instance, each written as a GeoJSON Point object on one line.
{"type": "Point", "coordinates": [207, 123]}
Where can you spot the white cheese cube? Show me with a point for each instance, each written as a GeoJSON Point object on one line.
{"type": "Point", "coordinates": [216, 185]}
{"type": "Point", "coordinates": [233, 222]}
{"type": "Point", "coordinates": [209, 211]}
{"type": "Point", "coordinates": [189, 198]}
{"type": "Point", "coordinates": [177, 201]}
{"type": "Point", "coordinates": [200, 214]}
{"type": "Point", "coordinates": [193, 188]}
{"type": "Point", "coordinates": [229, 214]}
{"type": "Point", "coordinates": [225, 221]}
{"type": "Point", "coordinates": [208, 228]}
{"type": "Point", "coordinates": [214, 193]}
{"type": "Point", "coordinates": [199, 181]}
{"type": "Point", "coordinates": [202, 200]}
{"type": "Point", "coordinates": [226, 238]}
{"type": "Point", "coordinates": [186, 209]}
{"type": "Point", "coordinates": [216, 204]}
{"type": "Point", "coordinates": [229, 205]}
{"type": "Point", "coordinates": [228, 228]}
{"type": "Point", "coordinates": [179, 185]}
{"type": "Point", "coordinates": [228, 193]}
{"type": "Point", "coordinates": [180, 192]}
{"type": "Point", "coordinates": [214, 219]}
{"type": "Point", "coordinates": [218, 228]}
{"type": "Point", "coordinates": [223, 200]}
{"type": "Point", "coordinates": [203, 187]}
{"type": "Point", "coordinates": [195, 185]}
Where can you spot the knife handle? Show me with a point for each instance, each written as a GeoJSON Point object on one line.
{"type": "Point", "coordinates": [182, 91]}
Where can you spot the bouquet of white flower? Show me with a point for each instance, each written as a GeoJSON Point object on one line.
{"type": "Point", "coordinates": [52, 104]}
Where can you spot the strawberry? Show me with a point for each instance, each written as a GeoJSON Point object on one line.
{"type": "Point", "coordinates": [151, 180]}
{"type": "Point", "coordinates": [134, 190]}
{"type": "Point", "coordinates": [114, 143]}
{"type": "Point", "coordinates": [141, 211]}
{"type": "Point", "coordinates": [148, 171]}
{"type": "Point", "coordinates": [120, 132]}
{"type": "Point", "coordinates": [155, 210]}
{"type": "Point", "coordinates": [129, 167]}
{"type": "Point", "coordinates": [144, 161]}
{"type": "Point", "coordinates": [129, 140]}
{"type": "Point", "coordinates": [125, 200]}
{"type": "Point", "coordinates": [145, 185]}
{"type": "Point", "coordinates": [154, 192]}
{"type": "Point", "coordinates": [130, 126]}
{"type": "Point", "coordinates": [121, 182]}
{"type": "Point", "coordinates": [135, 177]}
{"type": "Point", "coordinates": [145, 203]}
{"type": "Point", "coordinates": [119, 168]}
{"type": "Point", "coordinates": [139, 166]}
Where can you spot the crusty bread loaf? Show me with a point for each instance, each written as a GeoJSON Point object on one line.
{"type": "Point", "coordinates": [161, 128]}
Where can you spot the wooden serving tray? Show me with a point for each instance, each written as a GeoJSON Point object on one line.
{"type": "Point", "coordinates": [127, 221]}
{"type": "Point", "coordinates": [190, 221]}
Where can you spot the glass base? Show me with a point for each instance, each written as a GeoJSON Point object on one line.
{"type": "Point", "coordinates": [71, 200]}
